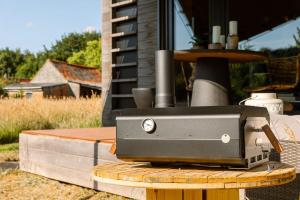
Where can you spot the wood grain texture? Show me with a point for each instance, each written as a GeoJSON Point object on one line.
{"type": "Point", "coordinates": [103, 134]}
{"type": "Point", "coordinates": [70, 161]}
{"type": "Point", "coordinates": [83, 148]}
{"type": "Point", "coordinates": [172, 177]}
{"type": "Point", "coordinates": [232, 55]}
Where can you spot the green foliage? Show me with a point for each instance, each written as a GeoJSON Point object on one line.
{"type": "Point", "coordinates": [282, 52]}
{"type": "Point", "coordinates": [297, 38]}
{"type": "Point", "coordinates": [9, 61]}
{"type": "Point", "coordinates": [9, 147]}
{"type": "Point", "coordinates": [239, 76]}
{"type": "Point", "coordinates": [31, 65]}
{"type": "Point", "coordinates": [90, 56]}
{"type": "Point", "coordinates": [199, 40]}
{"type": "Point", "coordinates": [68, 44]}
{"type": "Point", "coordinates": [17, 64]}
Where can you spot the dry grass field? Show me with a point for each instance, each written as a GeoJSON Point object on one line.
{"type": "Point", "coordinates": [33, 114]}
{"type": "Point", "coordinates": [18, 185]}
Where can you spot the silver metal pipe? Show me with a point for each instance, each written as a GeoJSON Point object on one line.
{"type": "Point", "coordinates": [165, 82]}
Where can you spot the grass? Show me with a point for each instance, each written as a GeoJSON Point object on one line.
{"type": "Point", "coordinates": [34, 114]}
{"type": "Point", "coordinates": [15, 184]}
{"type": "Point", "coordinates": [9, 147]}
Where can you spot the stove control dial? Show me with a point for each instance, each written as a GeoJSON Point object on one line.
{"type": "Point", "coordinates": [148, 125]}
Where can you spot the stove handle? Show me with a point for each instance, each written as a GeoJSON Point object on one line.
{"type": "Point", "coordinates": [272, 138]}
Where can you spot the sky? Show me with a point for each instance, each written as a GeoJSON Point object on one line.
{"type": "Point", "coordinates": [30, 24]}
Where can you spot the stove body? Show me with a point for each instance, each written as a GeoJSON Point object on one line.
{"type": "Point", "coordinates": [219, 135]}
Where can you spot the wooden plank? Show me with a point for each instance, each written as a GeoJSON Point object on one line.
{"type": "Point", "coordinates": [91, 134]}
{"type": "Point", "coordinates": [121, 19]}
{"type": "Point", "coordinates": [160, 177]}
{"type": "Point", "coordinates": [124, 64]}
{"type": "Point", "coordinates": [62, 145]}
{"type": "Point", "coordinates": [281, 172]}
{"type": "Point", "coordinates": [229, 194]}
{"type": "Point", "coordinates": [116, 50]}
{"type": "Point", "coordinates": [122, 3]}
{"type": "Point", "coordinates": [82, 179]}
{"type": "Point", "coordinates": [138, 175]}
{"type": "Point", "coordinates": [23, 147]}
{"type": "Point", "coordinates": [80, 163]}
{"type": "Point", "coordinates": [123, 34]}
{"type": "Point", "coordinates": [194, 176]}
{"type": "Point", "coordinates": [143, 175]}
{"type": "Point", "coordinates": [192, 194]}
{"type": "Point", "coordinates": [231, 55]}
{"type": "Point", "coordinates": [224, 177]}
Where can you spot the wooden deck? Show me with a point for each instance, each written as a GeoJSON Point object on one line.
{"type": "Point", "coordinates": [105, 134]}
{"type": "Point", "coordinates": [69, 155]}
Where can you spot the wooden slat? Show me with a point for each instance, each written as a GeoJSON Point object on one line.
{"type": "Point", "coordinates": [225, 177]}
{"type": "Point", "coordinates": [64, 146]}
{"type": "Point", "coordinates": [123, 34]}
{"type": "Point", "coordinates": [103, 134]}
{"type": "Point", "coordinates": [230, 194]}
{"type": "Point", "coordinates": [123, 50]}
{"type": "Point", "coordinates": [124, 64]}
{"type": "Point", "coordinates": [121, 19]}
{"type": "Point", "coordinates": [192, 194]}
{"type": "Point", "coordinates": [231, 55]}
{"type": "Point", "coordinates": [171, 177]}
{"type": "Point", "coordinates": [122, 3]}
{"type": "Point", "coordinates": [194, 176]}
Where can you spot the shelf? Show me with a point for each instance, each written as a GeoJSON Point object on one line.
{"type": "Point", "coordinates": [123, 34]}
{"type": "Point", "coordinates": [122, 96]}
{"type": "Point", "coordinates": [124, 80]}
{"type": "Point", "coordinates": [124, 65]}
{"type": "Point", "coordinates": [121, 19]}
{"type": "Point", "coordinates": [122, 3]}
{"type": "Point", "coordinates": [123, 50]}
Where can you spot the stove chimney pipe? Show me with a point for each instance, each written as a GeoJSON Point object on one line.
{"type": "Point", "coordinates": [165, 83]}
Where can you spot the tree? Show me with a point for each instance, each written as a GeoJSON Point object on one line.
{"type": "Point", "coordinates": [68, 44]}
{"type": "Point", "coordinates": [9, 61]}
{"type": "Point", "coordinates": [31, 64]}
{"type": "Point", "coordinates": [297, 38]}
{"type": "Point", "coordinates": [90, 56]}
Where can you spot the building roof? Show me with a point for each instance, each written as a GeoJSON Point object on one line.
{"type": "Point", "coordinates": [78, 73]}
{"type": "Point", "coordinates": [30, 86]}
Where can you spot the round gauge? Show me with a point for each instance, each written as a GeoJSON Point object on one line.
{"type": "Point", "coordinates": [148, 125]}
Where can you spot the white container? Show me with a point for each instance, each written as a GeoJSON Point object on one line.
{"type": "Point", "coordinates": [233, 28]}
{"type": "Point", "coordinates": [216, 34]}
{"type": "Point", "coordinates": [268, 100]}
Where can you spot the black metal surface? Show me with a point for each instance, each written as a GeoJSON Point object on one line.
{"type": "Point", "coordinates": [244, 111]}
{"type": "Point", "coordinates": [185, 134]}
{"type": "Point", "coordinates": [213, 69]}
{"type": "Point", "coordinates": [165, 24]}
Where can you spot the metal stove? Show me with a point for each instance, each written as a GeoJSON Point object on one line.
{"type": "Point", "coordinates": [222, 135]}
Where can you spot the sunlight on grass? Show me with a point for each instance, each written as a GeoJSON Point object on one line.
{"type": "Point", "coordinates": [9, 147]}
{"type": "Point", "coordinates": [35, 114]}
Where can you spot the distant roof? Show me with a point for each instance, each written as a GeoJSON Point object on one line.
{"type": "Point", "coordinates": [78, 73]}
{"type": "Point", "coordinates": [30, 86]}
